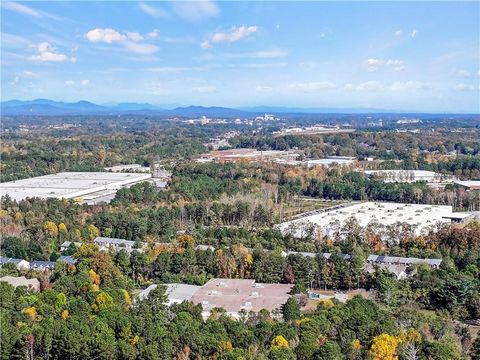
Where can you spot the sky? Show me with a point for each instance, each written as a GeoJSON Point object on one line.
{"type": "Point", "coordinates": [406, 56]}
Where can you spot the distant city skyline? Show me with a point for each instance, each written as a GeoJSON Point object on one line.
{"type": "Point", "coordinates": [402, 56]}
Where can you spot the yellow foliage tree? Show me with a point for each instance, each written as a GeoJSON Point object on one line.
{"type": "Point", "coordinates": [31, 312]}
{"type": "Point", "coordinates": [65, 314]}
{"type": "Point", "coordinates": [135, 340]}
{"type": "Point", "coordinates": [93, 231]}
{"type": "Point", "coordinates": [356, 345]}
{"type": "Point", "coordinates": [185, 241]}
{"type": "Point", "coordinates": [50, 228]}
{"type": "Point", "coordinates": [279, 342]}
{"type": "Point", "coordinates": [19, 217]}
{"type": "Point", "coordinates": [62, 229]}
{"type": "Point", "coordinates": [94, 277]}
{"type": "Point", "coordinates": [126, 297]}
{"type": "Point", "coordinates": [102, 301]}
{"type": "Point", "coordinates": [384, 347]}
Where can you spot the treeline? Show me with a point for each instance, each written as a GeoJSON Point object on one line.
{"type": "Point", "coordinates": [356, 186]}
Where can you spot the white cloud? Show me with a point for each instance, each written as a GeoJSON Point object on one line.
{"type": "Point", "coordinates": [204, 89]}
{"type": "Point", "coordinates": [153, 11]}
{"type": "Point", "coordinates": [106, 35]}
{"type": "Point", "coordinates": [312, 86]}
{"type": "Point", "coordinates": [84, 82]}
{"type": "Point", "coordinates": [20, 8]}
{"type": "Point", "coordinates": [236, 34]}
{"type": "Point", "coordinates": [277, 26]}
{"type": "Point", "coordinates": [269, 54]}
{"type": "Point", "coordinates": [464, 87]}
{"type": "Point", "coordinates": [69, 83]}
{"type": "Point", "coordinates": [464, 73]}
{"type": "Point", "coordinates": [370, 86]}
{"type": "Point", "coordinates": [130, 40]}
{"type": "Point", "coordinates": [153, 34]}
{"type": "Point", "coordinates": [374, 64]}
{"type": "Point", "coordinates": [409, 85]}
{"type": "Point", "coordinates": [322, 35]}
{"type": "Point", "coordinates": [142, 49]}
{"type": "Point", "coordinates": [195, 10]}
{"type": "Point", "coordinates": [414, 33]}
{"type": "Point", "coordinates": [205, 45]}
{"type": "Point", "coordinates": [15, 80]}
{"type": "Point", "coordinates": [398, 33]}
{"type": "Point", "coordinates": [349, 87]}
{"type": "Point", "coordinates": [48, 53]}
{"type": "Point", "coordinates": [134, 36]}
{"type": "Point", "coordinates": [263, 88]}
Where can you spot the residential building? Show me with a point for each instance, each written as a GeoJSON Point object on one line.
{"type": "Point", "coordinates": [16, 281]}
{"type": "Point", "coordinates": [20, 264]}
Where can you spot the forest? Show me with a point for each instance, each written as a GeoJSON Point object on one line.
{"type": "Point", "coordinates": [91, 309]}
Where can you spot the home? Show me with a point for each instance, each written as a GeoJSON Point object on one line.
{"type": "Point", "coordinates": [20, 264]}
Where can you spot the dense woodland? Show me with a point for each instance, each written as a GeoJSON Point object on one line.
{"type": "Point", "coordinates": [89, 310]}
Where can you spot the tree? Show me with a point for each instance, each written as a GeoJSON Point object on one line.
{"type": "Point", "coordinates": [291, 310]}
{"type": "Point", "coordinates": [384, 347]}
{"type": "Point", "coordinates": [279, 342]}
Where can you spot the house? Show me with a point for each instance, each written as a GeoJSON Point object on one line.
{"type": "Point", "coordinates": [68, 259]}
{"type": "Point", "coordinates": [105, 243]}
{"type": "Point", "coordinates": [20, 264]}
{"type": "Point", "coordinates": [15, 281]}
{"type": "Point", "coordinates": [42, 265]}
{"type": "Point", "coordinates": [66, 244]}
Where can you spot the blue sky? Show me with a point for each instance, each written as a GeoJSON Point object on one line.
{"type": "Point", "coordinates": [412, 56]}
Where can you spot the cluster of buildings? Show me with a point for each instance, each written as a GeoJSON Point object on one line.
{"type": "Point", "coordinates": [248, 155]}
{"type": "Point", "coordinates": [233, 295]}
{"type": "Point", "coordinates": [37, 265]}
{"type": "Point", "coordinates": [420, 216]}
{"type": "Point", "coordinates": [316, 129]}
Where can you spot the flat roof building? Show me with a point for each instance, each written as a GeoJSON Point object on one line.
{"type": "Point", "coordinates": [235, 295]}
{"type": "Point", "coordinates": [408, 175]}
{"type": "Point", "coordinates": [128, 168]}
{"type": "Point", "coordinates": [82, 186]}
{"type": "Point", "coordinates": [250, 155]}
{"type": "Point", "coordinates": [470, 185]}
{"type": "Point", "coordinates": [418, 215]}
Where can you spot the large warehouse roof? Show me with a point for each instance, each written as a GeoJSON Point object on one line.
{"type": "Point", "coordinates": [419, 215]}
{"type": "Point", "coordinates": [69, 185]}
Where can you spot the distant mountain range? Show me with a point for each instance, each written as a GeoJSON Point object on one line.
{"type": "Point", "coordinates": [46, 107]}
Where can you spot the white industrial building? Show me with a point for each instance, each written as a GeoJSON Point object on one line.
{"type": "Point", "coordinates": [408, 175]}
{"type": "Point", "coordinates": [332, 161]}
{"type": "Point", "coordinates": [89, 187]}
{"type": "Point", "coordinates": [128, 168]}
{"type": "Point", "coordinates": [327, 221]}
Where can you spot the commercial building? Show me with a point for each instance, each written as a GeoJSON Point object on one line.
{"type": "Point", "coordinates": [16, 281]}
{"type": "Point", "coordinates": [332, 161]}
{"type": "Point", "coordinates": [249, 155]}
{"type": "Point", "coordinates": [420, 216]}
{"type": "Point", "coordinates": [235, 295]}
{"type": "Point", "coordinates": [89, 187]}
{"type": "Point", "coordinates": [469, 185]}
{"type": "Point", "coordinates": [176, 293]}
{"type": "Point", "coordinates": [129, 168]}
{"type": "Point", "coordinates": [409, 176]}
